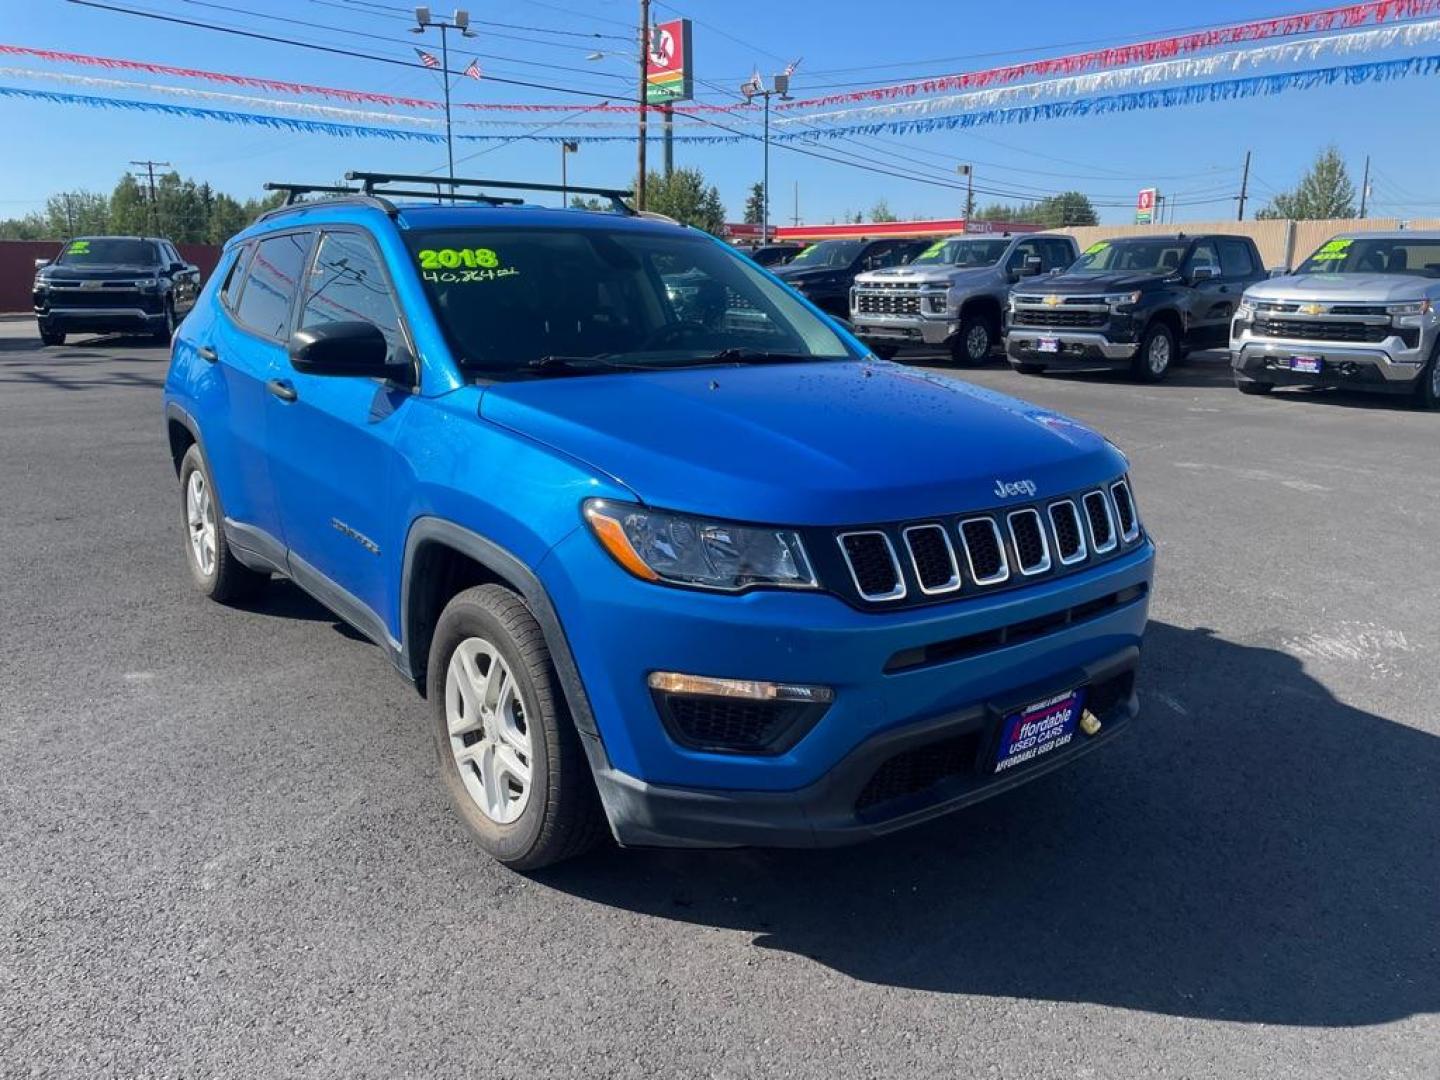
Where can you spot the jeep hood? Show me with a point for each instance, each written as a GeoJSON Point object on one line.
{"type": "Point", "coordinates": [1073, 284]}
{"type": "Point", "coordinates": [824, 443]}
{"type": "Point", "coordinates": [939, 274]}
{"type": "Point", "coordinates": [1350, 288]}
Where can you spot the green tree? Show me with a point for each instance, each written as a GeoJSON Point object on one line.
{"type": "Point", "coordinates": [881, 211]}
{"type": "Point", "coordinates": [685, 196]}
{"type": "Point", "coordinates": [755, 204]}
{"type": "Point", "coordinates": [129, 209]}
{"type": "Point", "coordinates": [1066, 208]}
{"type": "Point", "coordinates": [1324, 192]}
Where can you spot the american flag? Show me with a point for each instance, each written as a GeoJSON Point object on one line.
{"type": "Point", "coordinates": [430, 60]}
{"type": "Point", "coordinates": [474, 70]}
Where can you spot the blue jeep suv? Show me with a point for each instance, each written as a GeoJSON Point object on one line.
{"type": "Point", "coordinates": [668, 552]}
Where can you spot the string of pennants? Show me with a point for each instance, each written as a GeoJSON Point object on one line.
{"type": "Point", "coordinates": [1120, 79]}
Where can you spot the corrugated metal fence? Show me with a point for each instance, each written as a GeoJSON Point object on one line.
{"type": "Point", "coordinates": [1281, 243]}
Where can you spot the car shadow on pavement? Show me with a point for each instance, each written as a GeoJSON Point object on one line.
{"type": "Point", "coordinates": [1255, 850]}
{"type": "Point", "coordinates": [281, 598]}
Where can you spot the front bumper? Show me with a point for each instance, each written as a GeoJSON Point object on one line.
{"type": "Point", "coordinates": [99, 319]}
{"type": "Point", "coordinates": [1075, 348]}
{"type": "Point", "coordinates": [656, 791]}
{"type": "Point", "coordinates": [905, 329]}
{"type": "Point", "coordinates": [1387, 365]}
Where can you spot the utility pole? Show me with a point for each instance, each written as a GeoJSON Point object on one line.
{"type": "Point", "coordinates": [796, 219]}
{"type": "Point", "coordinates": [644, 101]}
{"type": "Point", "coordinates": [968, 171]}
{"type": "Point", "coordinates": [668, 112]}
{"type": "Point", "coordinates": [461, 22]}
{"type": "Point", "coordinates": [567, 147]}
{"type": "Point", "coordinates": [1244, 186]}
{"type": "Point", "coordinates": [152, 215]}
{"type": "Point", "coordinates": [1365, 188]}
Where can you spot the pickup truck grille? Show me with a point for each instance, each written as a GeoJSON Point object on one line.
{"type": "Point", "coordinates": [1321, 330]}
{"type": "Point", "coordinates": [887, 303]}
{"type": "Point", "coordinates": [59, 300]}
{"type": "Point", "coordinates": [928, 561]}
{"type": "Point", "coordinates": [1058, 318]}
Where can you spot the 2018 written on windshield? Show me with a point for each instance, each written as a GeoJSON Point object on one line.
{"type": "Point", "coordinates": [462, 265]}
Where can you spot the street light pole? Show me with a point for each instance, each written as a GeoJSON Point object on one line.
{"type": "Point", "coordinates": [567, 147]}
{"type": "Point", "coordinates": [460, 21]}
{"type": "Point", "coordinates": [755, 87]}
{"type": "Point", "coordinates": [644, 101]}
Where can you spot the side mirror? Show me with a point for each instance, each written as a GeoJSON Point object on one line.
{"type": "Point", "coordinates": [345, 348]}
{"type": "Point", "coordinates": [1031, 267]}
{"type": "Point", "coordinates": [1204, 273]}
{"type": "Point", "coordinates": [1279, 271]}
{"type": "Point", "coordinates": [177, 267]}
{"type": "Point", "coordinates": [42, 263]}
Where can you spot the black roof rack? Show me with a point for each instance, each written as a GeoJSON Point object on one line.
{"type": "Point", "coordinates": [369, 180]}
{"type": "Point", "coordinates": [294, 191]}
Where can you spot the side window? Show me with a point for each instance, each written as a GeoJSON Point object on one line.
{"type": "Point", "coordinates": [269, 292]}
{"type": "Point", "coordinates": [168, 255]}
{"type": "Point", "coordinates": [230, 290]}
{"type": "Point", "coordinates": [1023, 251]}
{"type": "Point", "coordinates": [1235, 259]}
{"type": "Point", "coordinates": [1204, 255]}
{"type": "Point", "coordinates": [1061, 254]}
{"type": "Point", "coordinates": [883, 255]}
{"type": "Point", "coordinates": [348, 284]}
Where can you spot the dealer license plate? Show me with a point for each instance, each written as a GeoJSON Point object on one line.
{"type": "Point", "coordinates": [1048, 344]}
{"type": "Point", "coordinates": [1306, 365]}
{"type": "Point", "coordinates": [1038, 729]}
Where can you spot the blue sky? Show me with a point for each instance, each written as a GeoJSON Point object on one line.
{"type": "Point", "coordinates": [1193, 151]}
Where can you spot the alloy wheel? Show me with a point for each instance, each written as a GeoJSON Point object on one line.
{"type": "Point", "coordinates": [489, 730]}
{"type": "Point", "coordinates": [1159, 355]}
{"type": "Point", "coordinates": [977, 342]}
{"type": "Point", "coordinates": [200, 516]}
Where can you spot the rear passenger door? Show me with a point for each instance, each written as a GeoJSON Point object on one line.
{"type": "Point", "coordinates": [247, 344]}
{"type": "Point", "coordinates": [332, 440]}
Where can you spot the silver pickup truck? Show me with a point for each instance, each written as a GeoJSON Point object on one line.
{"type": "Point", "coordinates": [954, 293]}
{"type": "Point", "coordinates": [1359, 313]}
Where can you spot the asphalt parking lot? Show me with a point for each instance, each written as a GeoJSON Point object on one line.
{"type": "Point", "coordinates": [226, 852]}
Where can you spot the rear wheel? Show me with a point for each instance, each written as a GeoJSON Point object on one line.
{"type": "Point", "coordinates": [213, 567]}
{"type": "Point", "coordinates": [973, 343]}
{"type": "Point", "coordinates": [52, 337]}
{"type": "Point", "coordinates": [1156, 353]}
{"type": "Point", "coordinates": [510, 756]}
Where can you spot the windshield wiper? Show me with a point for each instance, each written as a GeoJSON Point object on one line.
{"type": "Point", "coordinates": [753, 356]}
{"type": "Point", "coordinates": [576, 365]}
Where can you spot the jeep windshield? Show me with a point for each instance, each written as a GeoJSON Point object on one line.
{"type": "Point", "coordinates": [109, 253]}
{"type": "Point", "coordinates": [827, 255]}
{"type": "Point", "coordinates": [1418, 258]}
{"type": "Point", "coordinates": [536, 302]}
{"type": "Point", "coordinates": [969, 254]}
{"type": "Point", "coordinates": [1132, 257]}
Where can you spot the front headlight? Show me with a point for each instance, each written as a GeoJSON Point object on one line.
{"type": "Point", "coordinates": [148, 284]}
{"type": "Point", "coordinates": [1245, 310]}
{"type": "Point", "coordinates": [1124, 299]}
{"type": "Point", "coordinates": [1412, 310]}
{"type": "Point", "coordinates": [679, 549]}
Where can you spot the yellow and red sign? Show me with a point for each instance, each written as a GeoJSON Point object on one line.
{"type": "Point", "coordinates": [669, 70]}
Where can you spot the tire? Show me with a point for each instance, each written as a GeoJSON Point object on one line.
{"type": "Point", "coordinates": [487, 634]}
{"type": "Point", "coordinates": [1029, 369]}
{"type": "Point", "coordinates": [973, 344]}
{"type": "Point", "coordinates": [1427, 393]}
{"type": "Point", "coordinates": [52, 337]}
{"type": "Point", "coordinates": [213, 567]}
{"type": "Point", "coordinates": [163, 336]}
{"type": "Point", "coordinates": [1250, 386]}
{"type": "Point", "coordinates": [1156, 354]}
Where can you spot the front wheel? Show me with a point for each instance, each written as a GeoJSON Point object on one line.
{"type": "Point", "coordinates": [1427, 393]}
{"type": "Point", "coordinates": [1156, 354]}
{"type": "Point", "coordinates": [972, 345]}
{"type": "Point", "coordinates": [52, 337]}
{"type": "Point", "coordinates": [510, 756]}
{"type": "Point", "coordinates": [167, 330]}
{"type": "Point", "coordinates": [1250, 386]}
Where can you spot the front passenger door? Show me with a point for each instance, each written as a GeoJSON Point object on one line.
{"type": "Point", "coordinates": [332, 441]}
{"type": "Point", "coordinates": [1210, 299]}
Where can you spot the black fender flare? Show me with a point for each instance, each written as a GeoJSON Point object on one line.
{"type": "Point", "coordinates": [510, 568]}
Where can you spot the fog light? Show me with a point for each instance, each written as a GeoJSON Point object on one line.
{"type": "Point", "coordinates": [672, 682]}
{"type": "Point", "coordinates": [736, 716]}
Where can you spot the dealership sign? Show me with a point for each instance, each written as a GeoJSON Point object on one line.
{"type": "Point", "coordinates": [1145, 206]}
{"type": "Point", "coordinates": [669, 71]}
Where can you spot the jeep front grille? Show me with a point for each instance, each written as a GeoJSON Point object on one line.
{"type": "Point", "coordinates": [912, 564]}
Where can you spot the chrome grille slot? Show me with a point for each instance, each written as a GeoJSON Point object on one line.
{"type": "Point", "coordinates": [1069, 533]}
{"type": "Point", "coordinates": [1101, 522]}
{"type": "Point", "coordinates": [874, 569]}
{"type": "Point", "coordinates": [1128, 519]}
{"type": "Point", "coordinates": [1027, 534]}
{"type": "Point", "coordinates": [933, 557]}
{"type": "Point", "coordinates": [984, 551]}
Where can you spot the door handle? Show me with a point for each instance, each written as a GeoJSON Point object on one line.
{"type": "Point", "coordinates": [281, 389]}
{"type": "Point", "coordinates": [208, 354]}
